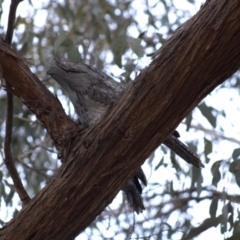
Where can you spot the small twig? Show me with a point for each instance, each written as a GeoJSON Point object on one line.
{"type": "Point", "coordinates": [8, 160]}
{"type": "Point", "coordinates": [23, 119]}
{"type": "Point", "coordinates": [207, 223]}
{"type": "Point", "coordinates": [216, 135]}
{"type": "Point", "coordinates": [39, 145]}
{"type": "Point", "coordinates": [26, 119]}
{"type": "Point", "coordinates": [39, 171]}
{"type": "Point", "coordinates": [179, 202]}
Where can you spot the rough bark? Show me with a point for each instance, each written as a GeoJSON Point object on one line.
{"type": "Point", "coordinates": [199, 56]}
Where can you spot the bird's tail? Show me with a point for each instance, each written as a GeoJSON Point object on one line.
{"type": "Point", "coordinates": [133, 188]}
{"type": "Point", "coordinates": [133, 191]}
{"type": "Point", "coordinates": [182, 150]}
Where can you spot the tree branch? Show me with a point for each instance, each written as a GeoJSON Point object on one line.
{"type": "Point", "coordinates": [11, 21]}
{"type": "Point", "coordinates": [207, 223]}
{"type": "Point", "coordinates": [36, 96]}
{"type": "Point", "coordinates": [97, 162]}
{"type": "Point", "coordinates": [8, 160]}
{"type": "Point", "coordinates": [214, 134]}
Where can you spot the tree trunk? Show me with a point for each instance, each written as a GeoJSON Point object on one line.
{"type": "Point", "coordinates": [98, 161]}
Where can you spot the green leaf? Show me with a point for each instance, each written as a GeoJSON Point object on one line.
{"type": "Point", "coordinates": [213, 208]}
{"type": "Point", "coordinates": [119, 46]}
{"type": "Point", "coordinates": [207, 147]}
{"type": "Point", "coordinates": [224, 227]}
{"type": "Point", "coordinates": [227, 208]}
{"type": "Point", "coordinates": [62, 36]}
{"type": "Point", "coordinates": [24, 49]}
{"type": "Point", "coordinates": [196, 172]}
{"type": "Point", "coordinates": [234, 166]}
{"type": "Point", "coordinates": [175, 163]}
{"type": "Point", "coordinates": [159, 164]}
{"type": "Point", "coordinates": [9, 197]}
{"type": "Point", "coordinates": [172, 192]}
{"type": "Point", "coordinates": [207, 113]}
{"type": "Point", "coordinates": [188, 121]}
{"type": "Point", "coordinates": [137, 47]}
{"type": "Point", "coordinates": [236, 153]}
{"type": "Point", "coordinates": [73, 54]}
{"type": "Point", "coordinates": [216, 173]}
{"type": "Point", "coordinates": [231, 221]}
{"type": "Point", "coordinates": [199, 184]}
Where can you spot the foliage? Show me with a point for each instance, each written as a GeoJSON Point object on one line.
{"type": "Point", "coordinates": [117, 36]}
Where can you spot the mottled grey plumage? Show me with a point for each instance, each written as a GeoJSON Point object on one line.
{"type": "Point", "coordinates": [90, 91]}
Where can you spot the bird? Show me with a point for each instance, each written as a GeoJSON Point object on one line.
{"type": "Point", "coordinates": [91, 91]}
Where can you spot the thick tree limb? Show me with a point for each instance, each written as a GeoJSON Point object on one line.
{"type": "Point", "coordinates": [35, 95]}
{"type": "Point", "coordinates": [200, 56]}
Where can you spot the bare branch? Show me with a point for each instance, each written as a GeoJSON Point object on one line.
{"type": "Point", "coordinates": [37, 97]}
{"type": "Point", "coordinates": [39, 171]}
{"type": "Point", "coordinates": [214, 134]}
{"type": "Point", "coordinates": [207, 223]}
{"type": "Point", "coordinates": [8, 160]}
